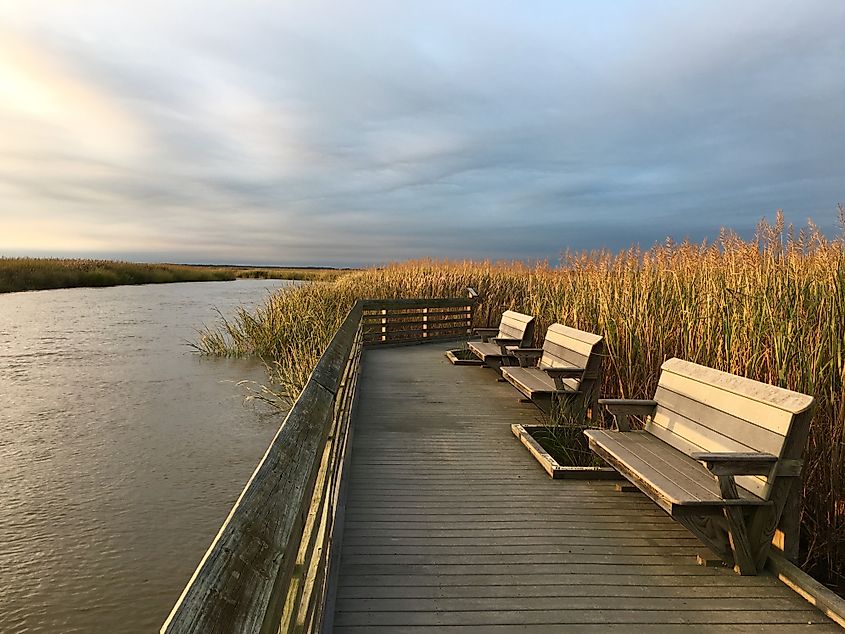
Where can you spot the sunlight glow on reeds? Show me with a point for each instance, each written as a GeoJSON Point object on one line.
{"type": "Point", "coordinates": [771, 308]}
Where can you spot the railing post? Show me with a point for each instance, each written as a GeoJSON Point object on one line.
{"type": "Point", "coordinates": [473, 295]}
{"type": "Point", "coordinates": [425, 323]}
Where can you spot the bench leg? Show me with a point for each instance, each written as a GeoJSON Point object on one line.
{"type": "Point", "coordinates": [712, 531]}
{"type": "Point", "coordinates": [725, 532]}
{"type": "Point", "coordinates": [544, 402]}
{"type": "Point", "coordinates": [744, 560]}
{"type": "Point", "coordinates": [780, 523]}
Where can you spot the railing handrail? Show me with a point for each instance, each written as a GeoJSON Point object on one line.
{"type": "Point", "coordinates": [435, 302]}
{"type": "Point", "coordinates": [236, 586]}
{"type": "Point", "coordinates": [246, 581]}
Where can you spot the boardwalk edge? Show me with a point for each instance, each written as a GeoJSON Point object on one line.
{"type": "Point", "coordinates": [823, 598]}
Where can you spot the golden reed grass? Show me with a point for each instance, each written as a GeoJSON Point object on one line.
{"type": "Point", "coordinates": [771, 308]}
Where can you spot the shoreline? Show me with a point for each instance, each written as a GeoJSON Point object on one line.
{"type": "Point", "coordinates": [41, 274]}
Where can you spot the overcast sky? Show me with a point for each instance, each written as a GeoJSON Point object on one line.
{"type": "Point", "coordinates": [362, 132]}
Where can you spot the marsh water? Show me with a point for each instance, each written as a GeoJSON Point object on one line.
{"type": "Point", "coordinates": [121, 451]}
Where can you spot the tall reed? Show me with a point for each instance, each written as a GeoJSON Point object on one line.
{"type": "Point", "coordinates": [771, 308]}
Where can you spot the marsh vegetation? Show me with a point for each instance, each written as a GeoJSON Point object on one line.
{"type": "Point", "coordinates": [771, 308]}
{"type": "Point", "coordinates": [30, 274]}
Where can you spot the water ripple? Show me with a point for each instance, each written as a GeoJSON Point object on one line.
{"type": "Point", "coordinates": [120, 453]}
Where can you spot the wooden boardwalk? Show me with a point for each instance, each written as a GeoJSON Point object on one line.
{"type": "Point", "coordinates": [451, 526]}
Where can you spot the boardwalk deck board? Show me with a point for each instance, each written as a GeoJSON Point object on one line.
{"type": "Point", "coordinates": [451, 526]}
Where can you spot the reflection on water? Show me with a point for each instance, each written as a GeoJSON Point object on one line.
{"type": "Point", "coordinates": [121, 452]}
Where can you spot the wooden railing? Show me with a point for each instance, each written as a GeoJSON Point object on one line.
{"type": "Point", "coordinates": [270, 568]}
{"type": "Point", "coordinates": [398, 321]}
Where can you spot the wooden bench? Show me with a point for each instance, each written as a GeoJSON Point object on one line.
{"type": "Point", "coordinates": [515, 329]}
{"type": "Point", "coordinates": [568, 366]}
{"type": "Point", "coordinates": [720, 453]}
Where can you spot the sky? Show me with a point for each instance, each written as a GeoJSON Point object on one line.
{"type": "Point", "coordinates": [353, 133]}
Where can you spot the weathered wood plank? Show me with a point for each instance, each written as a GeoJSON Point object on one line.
{"type": "Point", "coordinates": [739, 405]}
{"type": "Point", "coordinates": [559, 591]}
{"type": "Point", "coordinates": [582, 615]}
{"type": "Point", "coordinates": [695, 576]}
{"type": "Point", "coordinates": [590, 628]}
{"type": "Point", "coordinates": [450, 524]}
{"type": "Point", "coordinates": [398, 304]}
{"type": "Point", "coordinates": [573, 603]}
{"type": "Point", "coordinates": [764, 393]}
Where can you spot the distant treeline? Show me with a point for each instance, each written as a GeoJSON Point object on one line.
{"type": "Point", "coordinates": [274, 273]}
{"type": "Point", "coordinates": [30, 274]}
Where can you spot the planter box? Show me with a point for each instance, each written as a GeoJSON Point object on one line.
{"type": "Point", "coordinates": [463, 356]}
{"type": "Point", "coordinates": [551, 466]}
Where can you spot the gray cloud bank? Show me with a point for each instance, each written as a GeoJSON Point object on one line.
{"type": "Point", "coordinates": [362, 132]}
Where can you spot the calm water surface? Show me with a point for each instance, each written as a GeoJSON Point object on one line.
{"type": "Point", "coordinates": [121, 451]}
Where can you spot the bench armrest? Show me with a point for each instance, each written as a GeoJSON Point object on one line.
{"type": "Point", "coordinates": [558, 374]}
{"type": "Point", "coordinates": [623, 408]}
{"type": "Point", "coordinates": [486, 333]}
{"type": "Point", "coordinates": [735, 463]}
{"type": "Point", "coordinates": [527, 357]}
{"type": "Point", "coordinates": [506, 341]}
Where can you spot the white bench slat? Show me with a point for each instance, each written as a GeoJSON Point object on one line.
{"type": "Point", "coordinates": [756, 437]}
{"type": "Point", "coordinates": [516, 325]}
{"type": "Point", "coordinates": [747, 409]}
{"type": "Point", "coordinates": [515, 317]}
{"type": "Point", "coordinates": [689, 437]}
{"type": "Point", "coordinates": [787, 400]}
{"type": "Point", "coordinates": [765, 405]}
{"type": "Point", "coordinates": [572, 339]}
{"type": "Point", "coordinates": [671, 479]}
{"type": "Point", "coordinates": [556, 356]}
{"type": "Point", "coordinates": [485, 351]}
{"type": "Point", "coordinates": [531, 382]}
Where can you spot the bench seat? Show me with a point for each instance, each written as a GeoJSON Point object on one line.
{"type": "Point", "coordinates": [535, 383]}
{"type": "Point", "coordinates": [514, 329]}
{"type": "Point", "coordinates": [721, 453]}
{"type": "Point", "coordinates": [668, 476]}
{"type": "Point", "coordinates": [487, 351]}
{"type": "Point", "coordinates": [567, 368]}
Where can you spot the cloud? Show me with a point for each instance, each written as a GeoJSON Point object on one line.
{"type": "Point", "coordinates": [352, 133]}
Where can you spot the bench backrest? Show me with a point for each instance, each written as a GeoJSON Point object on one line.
{"type": "Point", "coordinates": [515, 325]}
{"type": "Point", "coordinates": [702, 409]}
{"type": "Point", "coordinates": [565, 346]}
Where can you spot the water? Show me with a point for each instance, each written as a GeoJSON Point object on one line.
{"type": "Point", "coordinates": [121, 451]}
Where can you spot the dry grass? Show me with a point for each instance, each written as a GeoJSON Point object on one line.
{"type": "Point", "coordinates": [289, 273]}
{"type": "Point", "coordinates": [771, 308]}
{"type": "Point", "coordinates": [29, 274]}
